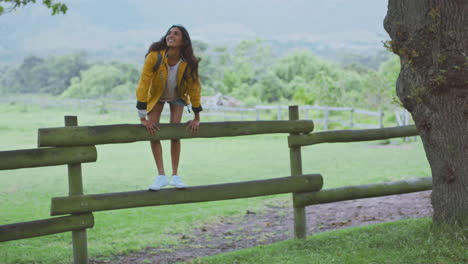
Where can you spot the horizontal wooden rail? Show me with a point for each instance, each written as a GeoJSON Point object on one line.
{"type": "Point", "coordinates": [351, 135]}
{"type": "Point", "coordinates": [112, 201]}
{"type": "Point", "coordinates": [363, 191]}
{"type": "Point", "coordinates": [45, 227]}
{"type": "Point", "coordinates": [94, 135]}
{"type": "Point", "coordinates": [28, 158]}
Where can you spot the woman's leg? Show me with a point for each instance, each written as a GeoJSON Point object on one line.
{"type": "Point", "coordinates": [176, 117]}
{"type": "Point", "coordinates": [155, 115]}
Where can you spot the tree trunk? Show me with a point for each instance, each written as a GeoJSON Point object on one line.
{"type": "Point", "coordinates": [431, 38]}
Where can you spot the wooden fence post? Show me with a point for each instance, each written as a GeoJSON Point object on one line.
{"type": "Point", "coordinates": [75, 187]}
{"type": "Point", "coordinates": [351, 115]}
{"type": "Point", "coordinates": [296, 170]}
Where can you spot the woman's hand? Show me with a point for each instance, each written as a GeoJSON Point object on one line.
{"type": "Point", "coordinates": [193, 126]}
{"type": "Point", "coordinates": [151, 126]}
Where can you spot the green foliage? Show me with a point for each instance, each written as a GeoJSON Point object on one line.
{"type": "Point", "coordinates": [39, 75]}
{"type": "Point", "coordinates": [271, 87]}
{"type": "Point", "coordinates": [380, 85]}
{"type": "Point", "coordinates": [390, 69]}
{"type": "Point", "coordinates": [30, 72]}
{"type": "Point", "coordinates": [319, 82]}
{"type": "Point", "coordinates": [206, 68]}
{"type": "Point", "coordinates": [363, 63]}
{"type": "Point", "coordinates": [236, 73]}
{"type": "Point", "coordinates": [247, 70]}
{"type": "Point", "coordinates": [56, 7]}
{"type": "Point", "coordinates": [114, 80]}
{"type": "Point", "coordinates": [299, 63]}
{"type": "Point", "coordinates": [303, 93]}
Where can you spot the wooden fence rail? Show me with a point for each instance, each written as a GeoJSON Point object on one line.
{"type": "Point", "coordinates": [41, 157]}
{"type": "Point", "coordinates": [216, 192]}
{"type": "Point", "coordinates": [45, 227]}
{"type": "Point", "coordinates": [351, 135]}
{"type": "Point", "coordinates": [363, 191]}
{"type": "Point", "coordinates": [94, 135]}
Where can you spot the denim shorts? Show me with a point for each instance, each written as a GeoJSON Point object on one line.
{"type": "Point", "coordinates": [174, 102]}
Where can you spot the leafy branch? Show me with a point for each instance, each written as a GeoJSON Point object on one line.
{"type": "Point", "coordinates": [7, 6]}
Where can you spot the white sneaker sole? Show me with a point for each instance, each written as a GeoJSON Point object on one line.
{"type": "Point", "coordinates": [178, 186]}
{"type": "Point", "coordinates": [151, 188]}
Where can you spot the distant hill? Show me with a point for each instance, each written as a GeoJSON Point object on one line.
{"type": "Point", "coordinates": [123, 29]}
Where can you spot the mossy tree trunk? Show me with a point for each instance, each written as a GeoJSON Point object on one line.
{"type": "Point", "coordinates": [431, 38]}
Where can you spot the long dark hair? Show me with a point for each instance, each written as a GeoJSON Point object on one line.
{"type": "Point", "coordinates": [186, 49]}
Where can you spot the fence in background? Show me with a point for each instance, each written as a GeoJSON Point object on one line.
{"type": "Point", "coordinates": [325, 116]}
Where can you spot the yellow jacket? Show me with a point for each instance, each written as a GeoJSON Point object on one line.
{"type": "Point", "coordinates": [152, 84]}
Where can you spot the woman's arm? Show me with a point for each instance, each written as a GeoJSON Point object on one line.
{"type": "Point", "coordinates": [195, 95]}
{"type": "Point", "coordinates": [142, 92]}
{"type": "Point", "coordinates": [144, 83]}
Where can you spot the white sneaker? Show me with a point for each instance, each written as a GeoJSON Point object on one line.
{"type": "Point", "coordinates": [177, 182]}
{"type": "Point", "coordinates": [159, 182]}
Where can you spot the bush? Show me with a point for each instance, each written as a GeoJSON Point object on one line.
{"type": "Point", "coordinates": [38, 75]}
{"type": "Point", "coordinates": [103, 80]}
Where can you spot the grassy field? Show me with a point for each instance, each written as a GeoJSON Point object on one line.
{"type": "Point", "coordinates": [401, 242]}
{"type": "Point", "coordinates": [25, 194]}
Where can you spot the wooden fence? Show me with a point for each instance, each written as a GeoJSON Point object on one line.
{"type": "Point", "coordinates": [301, 200]}
{"type": "Point", "coordinates": [279, 112]}
{"type": "Point", "coordinates": [73, 145]}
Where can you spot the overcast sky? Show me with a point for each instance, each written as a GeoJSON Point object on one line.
{"type": "Point", "coordinates": [91, 24]}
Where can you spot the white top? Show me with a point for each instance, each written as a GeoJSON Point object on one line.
{"type": "Point", "coordinates": [170, 93]}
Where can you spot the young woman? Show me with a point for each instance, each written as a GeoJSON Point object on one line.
{"type": "Point", "coordinates": [169, 75]}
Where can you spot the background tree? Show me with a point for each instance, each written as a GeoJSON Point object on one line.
{"type": "Point", "coordinates": [114, 80]}
{"type": "Point", "coordinates": [380, 85]}
{"type": "Point", "coordinates": [27, 77]}
{"type": "Point", "coordinates": [7, 6]}
{"type": "Point", "coordinates": [246, 67]}
{"type": "Point", "coordinates": [248, 71]}
{"type": "Point", "coordinates": [38, 75]}
{"type": "Point", "coordinates": [431, 38]}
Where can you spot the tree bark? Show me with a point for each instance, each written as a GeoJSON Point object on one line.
{"type": "Point", "coordinates": [431, 38]}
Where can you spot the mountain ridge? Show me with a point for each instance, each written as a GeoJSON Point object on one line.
{"type": "Point", "coordinates": [129, 26]}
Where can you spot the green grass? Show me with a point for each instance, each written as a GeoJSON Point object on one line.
{"type": "Point", "coordinates": [25, 194]}
{"type": "Point", "coordinates": [406, 241]}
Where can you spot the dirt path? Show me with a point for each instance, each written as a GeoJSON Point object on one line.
{"type": "Point", "coordinates": [276, 223]}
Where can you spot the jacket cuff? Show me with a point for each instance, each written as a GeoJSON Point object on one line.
{"type": "Point", "coordinates": [141, 105]}
{"type": "Point", "coordinates": [142, 113]}
{"type": "Point", "coordinates": [197, 109]}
